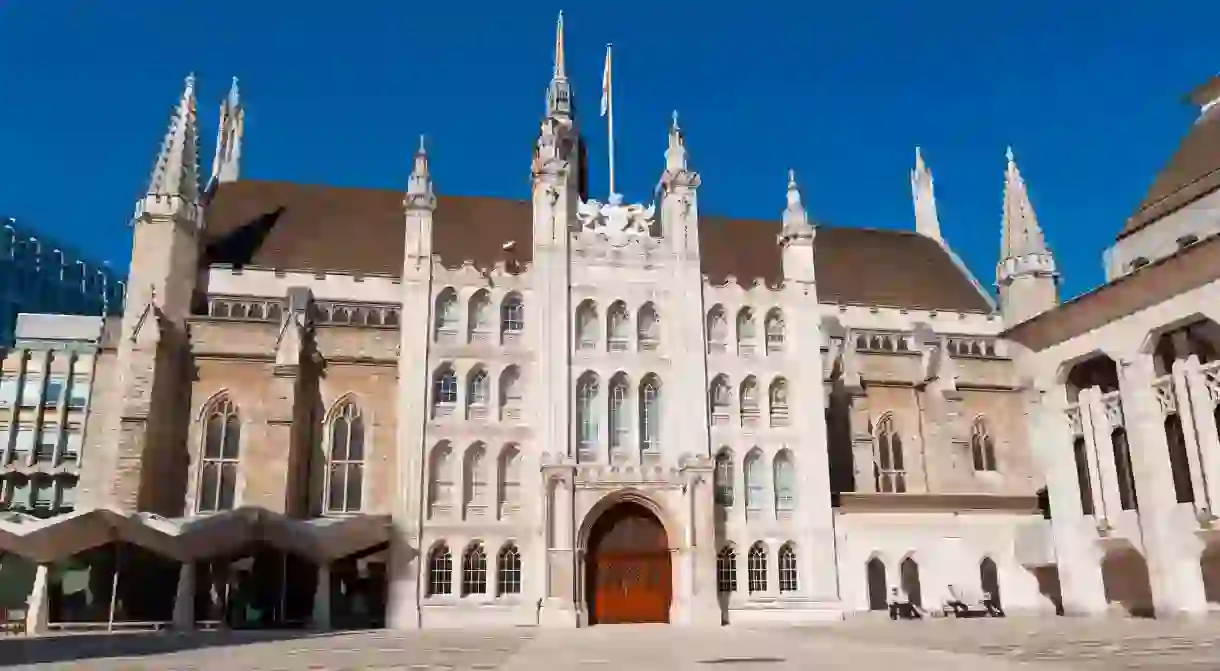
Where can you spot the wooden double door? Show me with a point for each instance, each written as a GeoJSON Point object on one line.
{"type": "Point", "coordinates": [628, 572]}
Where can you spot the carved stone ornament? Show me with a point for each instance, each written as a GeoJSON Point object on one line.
{"type": "Point", "coordinates": [618, 222]}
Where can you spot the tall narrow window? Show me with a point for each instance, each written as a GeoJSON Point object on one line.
{"type": "Point", "coordinates": [586, 414]}
{"type": "Point", "coordinates": [510, 394]}
{"type": "Point", "coordinates": [754, 482]}
{"type": "Point", "coordinates": [221, 455]}
{"type": "Point", "coordinates": [785, 483]}
{"type": "Point", "coordinates": [446, 327]}
{"type": "Point", "coordinates": [1080, 454]}
{"type": "Point", "coordinates": [778, 397]}
{"type": "Point", "coordinates": [1179, 462]}
{"type": "Point", "coordinates": [510, 481]}
{"type": "Point", "coordinates": [440, 489]}
{"type": "Point", "coordinates": [478, 388]}
{"type": "Point", "coordinates": [775, 331]}
{"type": "Point", "coordinates": [480, 317]}
{"type": "Point", "coordinates": [1127, 498]}
{"type": "Point", "coordinates": [722, 478]}
{"type": "Point", "coordinates": [717, 329]}
{"type": "Point", "coordinates": [512, 318]}
{"type": "Point", "coordinates": [345, 472]}
{"type": "Point", "coordinates": [749, 401]}
{"type": "Point", "coordinates": [444, 392]}
{"type": "Point", "coordinates": [650, 415]}
{"type": "Point", "coordinates": [475, 478]}
{"type": "Point", "coordinates": [726, 570]}
{"type": "Point", "coordinates": [890, 469]}
{"type": "Point", "coordinates": [756, 568]}
{"type": "Point", "coordinates": [746, 336]}
{"type": "Point", "coordinates": [649, 328]}
{"type": "Point", "coordinates": [618, 327]}
{"type": "Point", "coordinates": [509, 563]}
{"type": "Point", "coordinates": [982, 446]}
{"type": "Point", "coordinates": [586, 325]}
{"type": "Point", "coordinates": [719, 401]}
{"type": "Point", "coordinates": [440, 571]}
{"type": "Point", "coordinates": [787, 569]}
{"type": "Point", "coordinates": [620, 425]}
{"type": "Point", "coordinates": [474, 570]}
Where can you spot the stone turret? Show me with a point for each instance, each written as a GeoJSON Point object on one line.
{"type": "Point", "coordinates": [1026, 275]}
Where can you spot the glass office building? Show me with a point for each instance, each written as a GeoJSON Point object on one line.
{"type": "Point", "coordinates": [40, 275]}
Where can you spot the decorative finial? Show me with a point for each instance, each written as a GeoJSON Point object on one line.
{"type": "Point", "coordinates": [1008, 154]}
{"type": "Point", "coordinates": [791, 179]}
{"type": "Point", "coordinates": [675, 120]}
{"type": "Point", "coordinates": [560, 69]}
{"type": "Point", "coordinates": [423, 148]}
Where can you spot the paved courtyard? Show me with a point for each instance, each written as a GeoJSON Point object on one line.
{"type": "Point", "coordinates": [860, 645]}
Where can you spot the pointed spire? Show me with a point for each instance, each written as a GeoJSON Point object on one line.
{"type": "Point", "coordinates": [1022, 236]}
{"type": "Point", "coordinates": [227, 162]}
{"type": "Point", "coordinates": [675, 154]}
{"type": "Point", "coordinates": [559, 92]}
{"type": "Point", "coordinates": [796, 219]}
{"type": "Point", "coordinates": [420, 193]}
{"type": "Point", "coordinates": [927, 221]}
{"type": "Point", "coordinates": [175, 177]}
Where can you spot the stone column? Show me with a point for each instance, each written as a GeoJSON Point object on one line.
{"type": "Point", "coordinates": [1205, 426]}
{"type": "Point", "coordinates": [1075, 535]}
{"type": "Point", "coordinates": [38, 604]}
{"type": "Point", "coordinates": [861, 442]}
{"type": "Point", "coordinates": [702, 603]}
{"type": "Point", "coordinates": [1100, 454]}
{"type": "Point", "coordinates": [1190, 434]}
{"type": "Point", "coordinates": [559, 606]}
{"type": "Point", "coordinates": [1171, 550]}
{"type": "Point", "coordinates": [321, 599]}
{"type": "Point", "coordinates": [184, 598]}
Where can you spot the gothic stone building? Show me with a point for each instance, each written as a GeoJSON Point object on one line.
{"type": "Point", "coordinates": [337, 405]}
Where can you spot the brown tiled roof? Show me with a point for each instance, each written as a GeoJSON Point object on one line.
{"type": "Point", "coordinates": [1192, 172]}
{"type": "Point", "coordinates": [1192, 267]}
{"type": "Point", "coordinates": [329, 229]}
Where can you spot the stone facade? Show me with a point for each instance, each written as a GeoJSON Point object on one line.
{"type": "Point", "coordinates": [430, 401]}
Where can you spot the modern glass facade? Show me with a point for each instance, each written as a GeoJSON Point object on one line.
{"type": "Point", "coordinates": [39, 275]}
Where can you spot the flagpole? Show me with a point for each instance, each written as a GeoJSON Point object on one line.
{"type": "Point", "coordinates": [610, 114]}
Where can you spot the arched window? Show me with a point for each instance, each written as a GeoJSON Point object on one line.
{"type": "Point", "coordinates": [510, 481]}
{"type": "Point", "coordinates": [620, 422]}
{"type": "Point", "coordinates": [982, 446]}
{"type": "Point", "coordinates": [778, 397]}
{"type": "Point", "coordinates": [1123, 470]}
{"type": "Point", "coordinates": [726, 570]}
{"type": "Point", "coordinates": [717, 329]}
{"type": "Point", "coordinates": [775, 331]}
{"type": "Point", "coordinates": [720, 400]}
{"type": "Point", "coordinates": [221, 455]}
{"type": "Point", "coordinates": [755, 485]}
{"type": "Point", "coordinates": [650, 415]}
{"type": "Point", "coordinates": [908, 575]}
{"type": "Point", "coordinates": [722, 478]}
{"type": "Point", "coordinates": [1179, 463]}
{"type": "Point", "coordinates": [440, 571]}
{"type": "Point", "coordinates": [586, 414]}
{"type": "Point", "coordinates": [890, 471]}
{"type": "Point", "coordinates": [478, 389]}
{"type": "Point", "coordinates": [1080, 454]}
{"type": "Point", "coordinates": [785, 483]}
{"type": "Point", "coordinates": [345, 468]}
{"type": "Point", "coordinates": [474, 570]}
{"type": "Point", "coordinates": [444, 391]}
{"type": "Point", "coordinates": [509, 563]}
{"type": "Point", "coordinates": [446, 326]}
{"type": "Point", "coordinates": [648, 325]}
{"type": "Point", "coordinates": [756, 568]}
{"type": "Point", "coordinates": [787, 569]}
{"type": "Point", "coordinates": [474, 472]}
{"type": "Point", "coordinates": [479, 316]}
{"type": "Point", "coordinates": [749, 401]}
{"type": "Point", "coordinates": [878, 591]}
{"type": "Point", "coordinates": [510, 394]}
{"type": "Point", "coordinates": [440, 491]}
{"type": "Point", "coordinates": [512, 318]}
{"type": "Point", "coordinates": [586, 325]}
{"type": "Point", "coordinates": [618, 327]}
{"type": "Point", "coordinates": [746, 336]}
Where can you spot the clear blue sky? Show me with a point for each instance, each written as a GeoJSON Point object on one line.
{"type": "Point", "coordinates": [1087, 92]}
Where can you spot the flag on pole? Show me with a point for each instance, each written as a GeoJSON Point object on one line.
{"type": "Point", "coordinates": [606, 84]}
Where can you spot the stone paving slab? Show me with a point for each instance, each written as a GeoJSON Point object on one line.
{"type": "Point", "coordinates": [1058, 644]}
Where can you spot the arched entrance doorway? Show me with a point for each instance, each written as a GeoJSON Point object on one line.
{"type": "Point", "coordinates": [628, 577]}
